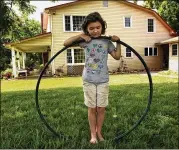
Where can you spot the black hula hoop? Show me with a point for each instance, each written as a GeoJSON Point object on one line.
{"type": "Point", "coordinates": [60, 134]}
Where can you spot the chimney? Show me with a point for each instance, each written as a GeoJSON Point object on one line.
{"type": "Point", "coordinates": [45, 22]}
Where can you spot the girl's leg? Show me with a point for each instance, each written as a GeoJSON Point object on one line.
{"type": "Point", "coordinates": [100, 120]}
{"type": "Point", "coordinates": [92, 123]}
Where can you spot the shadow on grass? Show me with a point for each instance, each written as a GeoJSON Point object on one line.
{"type": "Point", "coordinates": [64, 110]}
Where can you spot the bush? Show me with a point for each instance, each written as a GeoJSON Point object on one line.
{"type": "Point", "coordinates": [41, 67]}
{"type": "Point", "coordinates": [33, 61]}
{"type": "Point", "coordinates": [7, 74]}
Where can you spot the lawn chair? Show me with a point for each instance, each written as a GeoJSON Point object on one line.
{"type": "Point", "coordinates": [19, 71]}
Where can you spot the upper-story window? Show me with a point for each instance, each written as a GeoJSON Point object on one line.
{"type": "Point", "coordinates": [151, 27]}
{"type": "Point", "coordinates": [105, 3]}
{"type": "Point", "coordinates": [127, 22]}
{"type": "Point", "coordinates": [150, 51]}
{"type": "Point", "coordinates": [73, 23]}
{"type": "Point", "coordinates": [174, 50]}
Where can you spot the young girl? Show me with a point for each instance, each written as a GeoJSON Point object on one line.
{"type": "Point", "coordinates": [95, 74]}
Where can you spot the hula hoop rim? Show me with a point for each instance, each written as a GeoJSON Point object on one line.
{"type": "Point", "coordinates": [77, 42]}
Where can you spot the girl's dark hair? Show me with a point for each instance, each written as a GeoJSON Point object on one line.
{"type": "Point", "coordinates": [93, 17]}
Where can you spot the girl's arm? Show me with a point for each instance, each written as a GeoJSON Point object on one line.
{"type": "Point", "coordinates": [75, 38]}
{"type": "Point", "coordinates": [117, 53]}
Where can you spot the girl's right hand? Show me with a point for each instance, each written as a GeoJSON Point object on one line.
{"type": "Point", "coordinates": [85, 37]}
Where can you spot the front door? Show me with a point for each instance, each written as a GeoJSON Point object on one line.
{"type": "Point", "coordinates": [165, 56]}
{"type": "Point", "coordinates": [45, 58]}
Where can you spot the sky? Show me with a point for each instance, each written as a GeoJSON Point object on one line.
{"type": "Point", "coordinates": [41, 5]}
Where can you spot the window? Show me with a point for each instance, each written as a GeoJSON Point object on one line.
{"type": "Point", "coordinates": [73, 23]}
{"type": "Point", "coordinates": [155, 51]}
{"type": "Point", "coordinates": [150, 51]}
{"type": "Point", "coordinates": [69, 56]}
{"type": "Point", "coordinates": [174, 50]}
{"type": "Point", "coordinates": [75, 56]}
{"type": "Point", "coordinates": [150, 25]}
{"type": "Point", "coordinates": [105, 3]}
{"type": "Point", "coordinates": [127, 22]}
{"type": "Point", "coordinates": [79, 56]}
{"type": "Point", "coordinates": [67, 23]}
{"type": "Point", "coordinates": [128, 53]}
{"type": "Point", "coordinates": [146, 51]}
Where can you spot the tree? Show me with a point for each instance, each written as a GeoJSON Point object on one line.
{"type": "Point", "coordinates": [5, 55]}
{"type": "Point", "coordinates": [14, 27]}
{"type": "Point", "coordinates": [168, 10]}
{"type": "Point", "coordinates": [8, 15]}
{"type": "Point", "coordinates": [25, 28]}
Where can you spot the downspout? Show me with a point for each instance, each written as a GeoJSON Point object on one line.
{"type": "Point", "coordinates": [52, 44]}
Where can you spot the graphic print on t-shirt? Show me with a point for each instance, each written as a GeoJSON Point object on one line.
{"type": "Point", "coordinates": [96, 55]}
{"type": "Point", "coordinates": [96, 58]}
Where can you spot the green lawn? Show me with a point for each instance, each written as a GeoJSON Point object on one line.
{"type": "Point", "coordinates": [61, 102]}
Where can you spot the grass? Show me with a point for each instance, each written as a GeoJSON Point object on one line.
{"type": "Point", "coordinates": [61, 102]}
{"type": "Point", "coordinates": [168, 72]}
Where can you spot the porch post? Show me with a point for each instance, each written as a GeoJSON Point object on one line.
{"type": "Point", "coordinates": [24, 58]}
{"type": "Point", "coordinates": [13, 62]}
{"type": "Point", "coordinates": [18, 61]}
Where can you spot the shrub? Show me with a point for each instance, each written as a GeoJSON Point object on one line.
{"type": "Point", "coordinates": [41, 67]}
{"type": "Point", "coordinates": [7, 74]}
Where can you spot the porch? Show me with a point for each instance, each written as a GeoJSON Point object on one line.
{"type": "Point", "coordinates": [37, 44]}
{"type": "Point", "coordinates": [170, 49]}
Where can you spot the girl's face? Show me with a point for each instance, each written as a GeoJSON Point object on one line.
{"type": "Point", "coordinates": [94, 29]}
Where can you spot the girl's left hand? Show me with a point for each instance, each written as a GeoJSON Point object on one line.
{"type": "Point", "coordinates": [115, 38]}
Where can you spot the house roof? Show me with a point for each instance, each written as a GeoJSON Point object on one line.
{"type": "Point", "coordinates": [171, 30]}
{"type": "Point", "coordinates": [172, 40]}
{"type": "Point", "coordinates": [38, 43]}
{"type": "Point", "coordinates": [31, 38]}
{"type": "Point", "coordinates": [62, 5]}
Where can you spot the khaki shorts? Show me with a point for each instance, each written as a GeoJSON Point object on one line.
{"type": "Point", "coordinates": [96, 95]}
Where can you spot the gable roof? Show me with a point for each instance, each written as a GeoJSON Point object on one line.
{"type": "Point", "coordinates": [39, 43]}
{"type": "Point", "coordinates": [154, 13]}
{"type": "Point", "coordinates": [172, 40]}
{"type": "Point", "coordinates": [62, 5]}
{"type": "Point", "coordinates": [30, 38]}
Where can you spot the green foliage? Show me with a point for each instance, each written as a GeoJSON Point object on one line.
{"type": "Point", "coordinates": [168, 9]}
{"type": "Point", "coordinates": [14, 27]}
{"type": "Point", "coordinates": [33, 61]}
{"type": "Point", "coordinates": [169, 72]}
{"type": "Point", "coordinates": [5, 56]}
{"type": "Point", "coordinates": [9, 17]}
{"type": "Point", "coordinates": [7, 73]}
{"type": "Point", "coordinates": [23, 28]}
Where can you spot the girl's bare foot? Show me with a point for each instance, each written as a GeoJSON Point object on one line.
{"type": "Point", "coordinates": [100, 137]}
{"type": "Point", "coordinates": [93, 138]}
{"type": "Point", "coordinates": [93, 141]}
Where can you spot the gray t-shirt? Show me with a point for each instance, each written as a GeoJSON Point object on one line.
{"type": "Point", "coordinates": [96, 56]}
